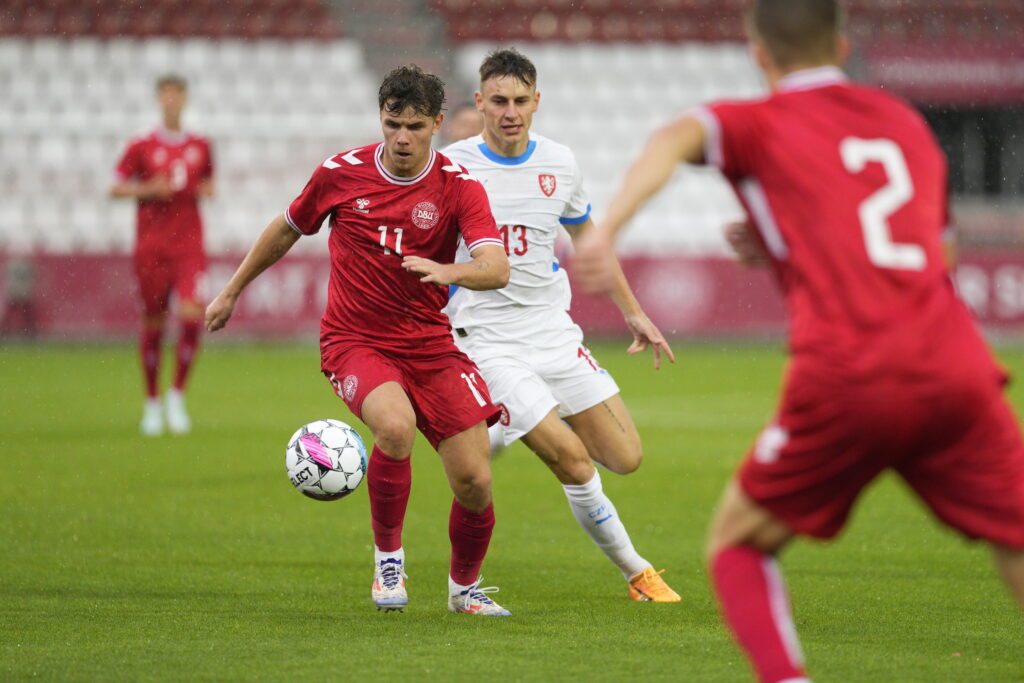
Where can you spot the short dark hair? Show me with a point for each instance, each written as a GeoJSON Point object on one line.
{"type": "Point", "coordinates": [409, 86]}
{"type": "Point", "coordinates": [171, 79]}
{"type": "Point", "coordinates": [509, 62]}
{"type": "Point", "coordinates": [795, 31]}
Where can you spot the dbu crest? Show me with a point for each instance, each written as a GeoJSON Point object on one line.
{"type": "Point", "coordinates": [547, 183]}
{"type": "Point", "coordinates": [349, 386]}
{"type": "Point", "coordinates": [425, 215]}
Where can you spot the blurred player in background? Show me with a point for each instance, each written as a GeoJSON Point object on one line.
{"type": "Point", "coordinates": [530, 351]}
{"type": "Point", "coordinates": [167, 171]}
{"type": "Point", "coordinates": [847, 188]}
{"type": "Point", "coordinates": [397, 210]}
{"type": "Point", "coordinates": [462, 122]}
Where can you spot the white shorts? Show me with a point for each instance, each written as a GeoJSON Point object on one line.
{"type": "Point", "coordinates": [529, 374]}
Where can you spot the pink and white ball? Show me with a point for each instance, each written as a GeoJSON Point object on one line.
{"type": "Point", "coordinates": [325, 459]}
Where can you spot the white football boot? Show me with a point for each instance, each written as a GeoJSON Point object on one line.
{"type": "Point", "coordinates": [177, 416]}
{"type": "Point", "coordinates": [474, 600]}
{"type": "Point", "coordinates": [152, 423]}
{"type": "Point", "coordinates": [388, 590]}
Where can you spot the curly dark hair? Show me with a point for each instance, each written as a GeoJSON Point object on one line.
{"type": "Point", "coordinates": [410, 86]}
{"type": "Point", "coordinates": [509, 62]}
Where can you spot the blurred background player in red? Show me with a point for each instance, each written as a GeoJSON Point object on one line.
{"type": "Point", "coordinates": [167, 171]}
{"type": "Point", "coordinates": [397, 210]}
{"type": "Point", "coordinates": [847, 188]}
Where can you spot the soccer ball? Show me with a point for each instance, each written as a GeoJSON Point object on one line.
{"type": "Point", "coordinates": [325, 459]}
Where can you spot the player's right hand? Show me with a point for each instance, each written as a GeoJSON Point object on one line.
{"type": "Point", "coordinates": [745, 244]}
{"type": "Point", "coordinates": [219, 312]}
{"type": "Point", "coordinates": [158, 187]}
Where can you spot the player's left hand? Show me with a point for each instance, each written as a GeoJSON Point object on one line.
{"type": "Point", "coordinates": [432, 271]}
{"type": "Point", "coordinates": [646, 334]}
{"type": "Point", "coordinates": [594, 263]}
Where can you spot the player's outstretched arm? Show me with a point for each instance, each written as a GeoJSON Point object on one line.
{"type": "Point", "coordinates": [645, 333]}
{"type": "Point", "coordinates": [488, 269]}
{"type": "Point", "coordinates": [158, 187]}
{"type": "Point", "coordinates": [275, 241]}
{"type": "Point", "coordinates": [680, 141]}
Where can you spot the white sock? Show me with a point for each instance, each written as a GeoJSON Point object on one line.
{"type": "Point", "coordinates": [598, 517]}
{"type": "Point", "coordinates": [379, 555]}
{"type": "Point", "coordinates": [497, 436]}
{"type": "Point", "coordinates": [457, 588]}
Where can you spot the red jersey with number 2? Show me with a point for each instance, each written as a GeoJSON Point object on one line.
{"type": "Point", "coordinates": [376, 218]}
{"type": "Point", "coordinates": [169, 226]}
{"type": "Point", "coordinates": [847, 188]}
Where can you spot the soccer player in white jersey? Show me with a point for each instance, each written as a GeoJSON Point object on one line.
{"type": "Point", "coordinates": [553, 394]}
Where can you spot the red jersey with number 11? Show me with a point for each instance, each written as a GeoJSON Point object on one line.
{"type": "Point", "coordinates": [376, 218]}
{"type": "Point", "coordinates": [847, 188]}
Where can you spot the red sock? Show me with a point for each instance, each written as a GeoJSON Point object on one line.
{"type": "Point", "coordinates": [388, 482]}
{"type": "Point", "coordinates": [470, 533]}
{"type": "Point", "coordinates": [188, 342]}
{"type": "Point", "coordinates": [755, 606]}
{"type": "Point", "coordinates": [149, 349]}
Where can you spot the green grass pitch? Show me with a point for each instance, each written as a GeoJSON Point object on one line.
{"type": "Point", "coordinates": [192, 558]}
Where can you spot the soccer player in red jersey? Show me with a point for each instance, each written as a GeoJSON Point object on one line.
{"type": "Point", "coordinates": [846, 187]}
{"type": "Point", "coordinates": [397, 210]}
{"type": "Point", "coordinates": [167, 172]}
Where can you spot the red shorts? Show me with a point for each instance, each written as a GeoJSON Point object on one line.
{"type": "Point", "coordinates": [446, 391]}
{"type": "Point", "coordinates": [956, 444]}
{"type": "Point", "coordinates": [158, 275]}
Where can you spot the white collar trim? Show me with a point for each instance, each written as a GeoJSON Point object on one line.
{"type": "Point", "coordinates": [808, 79]}
{"type": "Point", "coordinates": [171, 137]}
{"type": "Point", "coordinates": [399, 180]}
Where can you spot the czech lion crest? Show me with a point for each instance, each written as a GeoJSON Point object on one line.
{"type": "Point", "coordinates": [547, 183]}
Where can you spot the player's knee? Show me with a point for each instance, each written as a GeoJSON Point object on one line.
{"type": "Point", "coordinates": [472, 488]}
{"type": "Point", "coordinates": [153, 321]}
{"type": "Point", "coordinates": [624, 459]}
{"type": "Point", "coordinates": [394, 435]}
{"type": "Point", "coordinates": [191, 311]}
{"type": "Point", "coordinates": [569, 461]}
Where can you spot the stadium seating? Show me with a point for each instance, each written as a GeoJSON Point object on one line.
{"type": "Point", "coordinates": [276, 90]}
{"type": "Point", "coordinates": [273, 109]}
{"type": "Point", "coordinates": [253, 19]}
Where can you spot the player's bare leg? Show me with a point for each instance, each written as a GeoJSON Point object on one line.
{"type": "Point", "coordinates": [467, 464]}
{"type": "Point", "coordinates": [609, 434]}
{"type": "Point", "coordinates": [1010, 564]}
{"type": "Point", "coordinates": [561, 449]}
{"type": "Point", "coordinates": [191, 315]}
{"type": "Point", "coordinates": [386, 410]}
{"type": "Point", "coordinates": [742, 544]}
{"type": "Point", "coordinates": [152, 423]}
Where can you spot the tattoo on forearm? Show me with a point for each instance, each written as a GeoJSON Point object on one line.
{"type": "Point", "coordinates": [277, 252]}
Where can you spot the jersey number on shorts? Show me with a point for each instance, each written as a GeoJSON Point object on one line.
{"type": "Point", "coordinates": [518, 232]}
{"type": "Point", "coordinates": [471, 383]}
{"type": "Point", "coordinates": [384, 239]}
{"type": "Point", "coordinates": [582, 353]}
{"type": "Point", "coordinates": [874, 211]}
